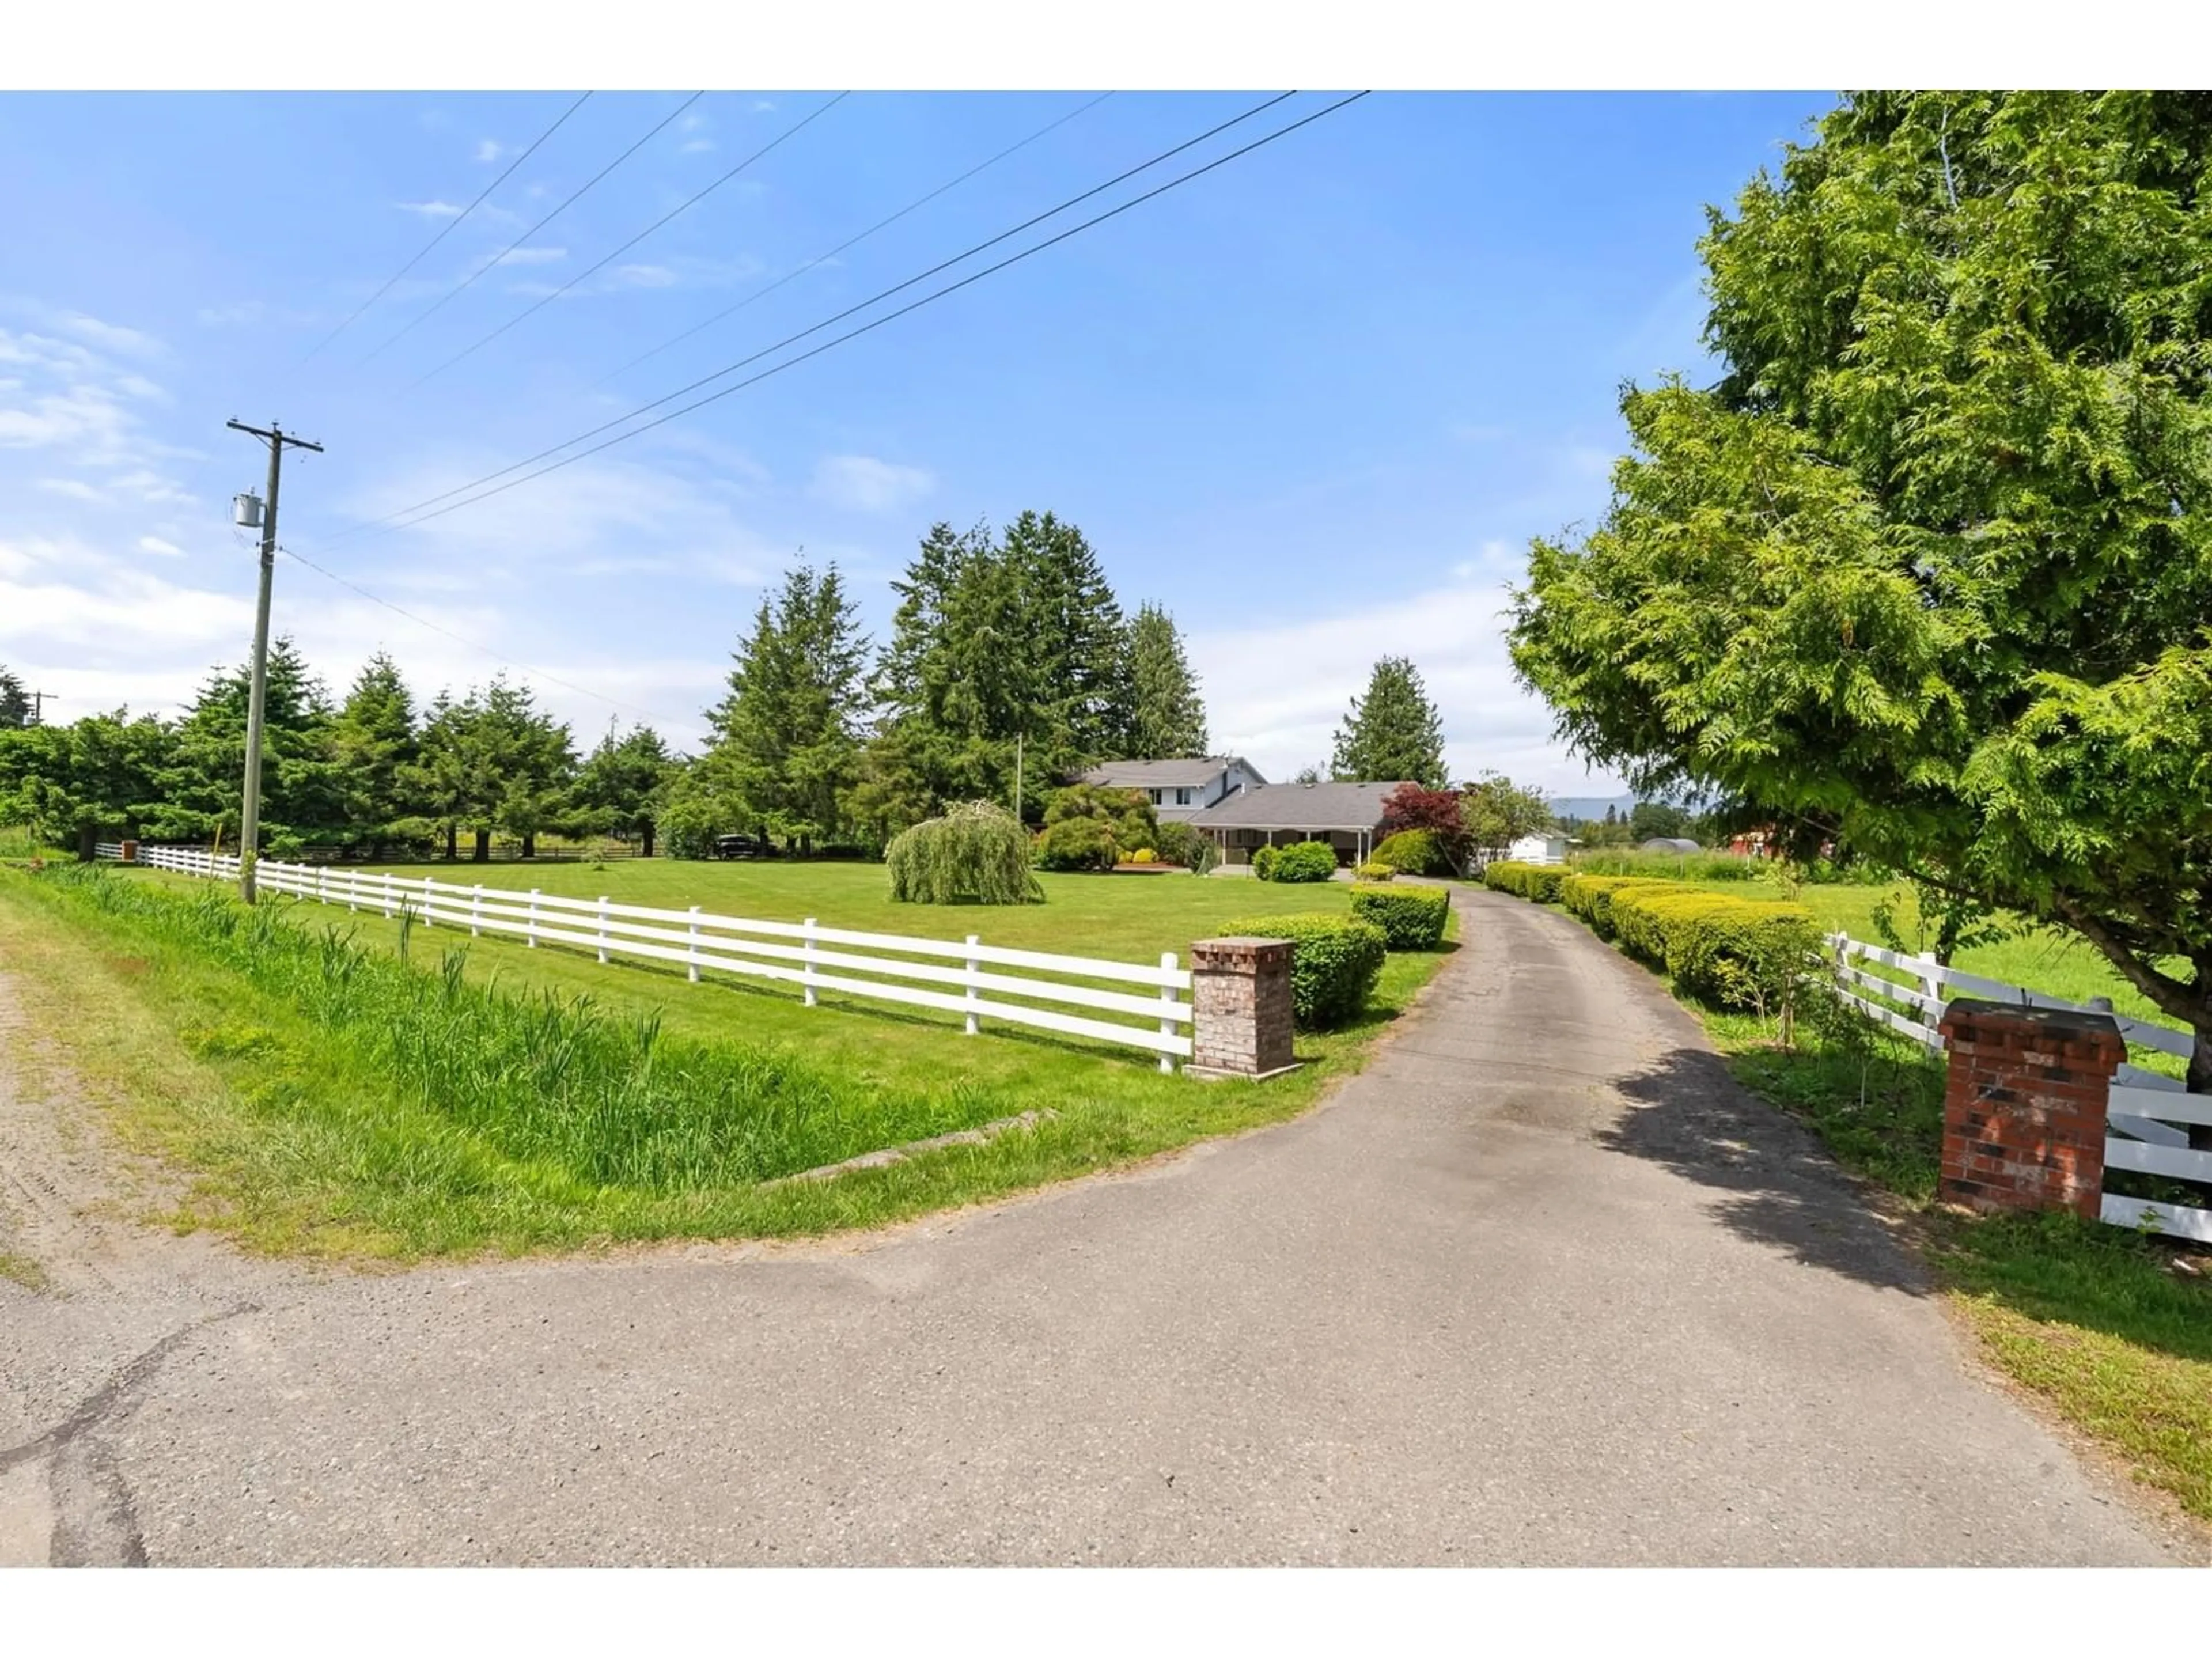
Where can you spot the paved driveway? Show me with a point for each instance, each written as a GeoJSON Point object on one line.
{"type": "Point", "coordinates": [1539, 1287]}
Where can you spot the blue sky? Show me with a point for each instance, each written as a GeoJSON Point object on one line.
{"type": "Point", "coordinates": [1316, 402]}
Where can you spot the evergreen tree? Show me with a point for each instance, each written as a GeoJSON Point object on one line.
{"type": "Point", "coordinates": [625, 784]}
{"type": "Point", "coordinates": [1393, 733]}
{"type": "Point", "coordinates": [72, 784]}
{"type": "Point", "coordinates": [373, 741]}
{"type": "Point", "coordinates": [1074, 683]}
{"type": "Point", "coordinates": [787, 744]}
{"type": "Point", "coordinates": [14, 703]}
{"type": "Point", "coordinates": [450, 782]}
{"type": "Point", "coordinates": [1167, 718]}
{"type": "Point", "coordinates": [203, 783]}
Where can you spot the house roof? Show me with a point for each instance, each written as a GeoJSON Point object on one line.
{"type": "Point", "coordinates": [1299, 807]}
{"type": "Point", "coordinates": [1162, 773]}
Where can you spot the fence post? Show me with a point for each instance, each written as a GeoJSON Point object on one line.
{"type": "Point", "coordinates": [384, 886]}
{"type": "Point", "coordinates": [429, 887]}
{"type": "Point", "coordinates": [475, 912]}
{"type": "Point", "coordinates": [530, 931]}
{"type": "Point", "coordinates": [352, 891]}
{"type": "Point", "coordinates": [808, 946]}
{"type": "Point", "coordinates": [603, 928]}
{"type": "Point", "coordinates": [695, 944]}
{"type": "Point", "coordinates": [1167, 1020]}
{"type": "Point", "coordinates": [974, 993]}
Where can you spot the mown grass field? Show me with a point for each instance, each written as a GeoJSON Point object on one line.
{"type": "Point", "coordinates": [2093, 1319]}
{"type": "Point", "coordinates": [303, 1132]}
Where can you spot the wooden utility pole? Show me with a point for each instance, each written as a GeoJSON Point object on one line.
{"type": "Point", "coordinates": [38, 702]}
{"type": "Point", "coordinates": [249, 819]}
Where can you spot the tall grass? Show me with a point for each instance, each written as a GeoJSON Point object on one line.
{"type": "Point", "coordinates": [1670, 866]}
{"type": "Point", "coordinates": [574, 1093]}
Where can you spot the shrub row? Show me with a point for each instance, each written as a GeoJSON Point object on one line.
{"type": "Point", "coordinates": [1303, 860]}
{"type": "Point", "coordinates": [1742, 951]}
{"type": "Point", "coordinates": [1410, 917]}
{"type": "Point", "coordinates": [1538, 882]}
{"type": "Point", "coordinates": [1334, 963]}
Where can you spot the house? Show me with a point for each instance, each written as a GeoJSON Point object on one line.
{"type": "Point", "coordinates": [1179, 789]}
{"type": "Point", "coordinates": [1538, 849]}
{"type": "Point", "coordinates": [1347, 815]}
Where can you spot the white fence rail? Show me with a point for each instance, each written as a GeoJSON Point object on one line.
{"type": "Point", "coordinates": [804, 953]}
{"type": "Point", "coordinates": [2146, 1118]}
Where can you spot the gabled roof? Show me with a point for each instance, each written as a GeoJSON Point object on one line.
{"type": "Point", "coordinates": [1163, 774]}
{"type": "Point", "coordinates": [1299, 807]}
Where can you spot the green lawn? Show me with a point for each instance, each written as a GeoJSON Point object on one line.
{"type": "Point", "coordinates": [297, 1145]}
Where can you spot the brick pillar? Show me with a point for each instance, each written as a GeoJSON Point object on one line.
{"type": "Point", "coordinates": [129, 852]}
{"type": "Point", "coordinates": [2023, 1107]}
{"type": "Point", "coordinates": [1240, 1005]}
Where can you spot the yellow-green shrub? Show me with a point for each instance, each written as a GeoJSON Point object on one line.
{"type": "Point", "coordinates": [1591, 897]}
{"type": "Point", "coordinates": [1539, 882]}
{"type": "Point", "coordinates": [1739, 950]}
{"type": "Point", "coordinates": [1410, 917]}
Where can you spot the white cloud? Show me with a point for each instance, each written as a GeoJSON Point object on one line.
{"type": "Point", "coordinates": [490, 150]}
{"type": "Point", "coordinates": [761, 106]}
{"type": "Point", "coordinates": [75, 488]}
{"type": "Point", "coordinates": [697, 146]}
{"type": "Point", "coordinates": [861, 483]}
{"type": "Point", "coordinates": [110, 336]}
{"type": "Point", "coordinates": [1275, 693]}
{"type": "Point", "coordinates": [533, 256]}
{"type": "Point", "coordinates": [645, 277]}
{"type": "Point", "coordinates": [431, 209]}
{"type": "Point", "coordinates": [160, 548]}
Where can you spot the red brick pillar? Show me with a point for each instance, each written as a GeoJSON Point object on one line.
{"type": "Point", "coordinates": [2024, 1108]}
{"type": "Point", "coordinates": [128, 854]}
{"type": "Point", "coordinates": [1240, 1006]}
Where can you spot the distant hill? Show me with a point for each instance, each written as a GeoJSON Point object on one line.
{"type": "Point", "coordinates": [1592, 806]}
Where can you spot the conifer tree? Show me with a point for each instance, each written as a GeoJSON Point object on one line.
{"type": "Point", "coordinates": [1167, 719]}
{"type": "Point", "coordinates": [1393, 733]}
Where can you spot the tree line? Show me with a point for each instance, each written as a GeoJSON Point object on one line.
{"type": "Point", "coordinates": [1011, 667]}
{"type": "Point", "coordinates": [370, 773]}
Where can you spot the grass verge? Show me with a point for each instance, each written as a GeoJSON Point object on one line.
{"type": "Point", "coordinates": [2093, 1319]}
{"type": "Point", "coordinates": [326, 1099]}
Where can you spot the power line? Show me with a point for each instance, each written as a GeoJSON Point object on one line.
{"type": "Point", "coordinates": [866, 328]}
{"type": "Point", "coordinates": [792, 339]}
{"type": "Point", "coordinates": [547, 299]}
{"type": "Point", "coordinates": [855, 241]}
{"type": "Point", "coordinates": [422, 622]}
{"type": "Point", "coordinates": [452, 225]}
{"type": "Point", "coordinates": [469, 281]}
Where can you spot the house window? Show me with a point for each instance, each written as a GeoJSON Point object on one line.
{"type": "Point", "coordinates": [1182, 798]}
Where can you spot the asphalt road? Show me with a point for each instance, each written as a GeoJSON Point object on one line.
{"type": "Point", "coordinates": [1539, 1287]}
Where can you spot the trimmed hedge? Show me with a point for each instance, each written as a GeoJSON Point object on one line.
{"type": "Point", "coordinates": [1263, 864]}
{"type": "Point", "coordinates": [1416, 850]}
{"type": "Point", "coordinates": [1538, 882]}
{"type": "Point", "coordinates": [1591, 897]}
{"type": "Point", "coordinates": [1410, 917]}
{"type": "Point", "coordinates": [1334, 963]}
{"type": "Point", "coordinates": [1374, 870]}
{"type": "Point", "coordinates": [1304, 860]}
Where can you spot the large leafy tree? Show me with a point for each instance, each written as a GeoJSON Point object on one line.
{"type": "Point", "coordinates": [1496, 811]}
{"type": "Point", "coordinates": [1929, 571]}
{"type": "Point", "coordinates": [1167, 718]}
{"type": "Point", "coordinates": [71, 784]}
{"type": "Point", "coordinates": [1393, 733]}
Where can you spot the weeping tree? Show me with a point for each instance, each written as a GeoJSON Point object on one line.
{"type": "Point", "coordinates": [1928, 572]}
{"type": "Point", "coordinates": [977, 853]}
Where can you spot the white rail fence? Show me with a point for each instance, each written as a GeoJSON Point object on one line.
{"type": "Point", "coordinates": [2147, 1119]}
{"type": "Point", "coordinates": [805, 954]}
